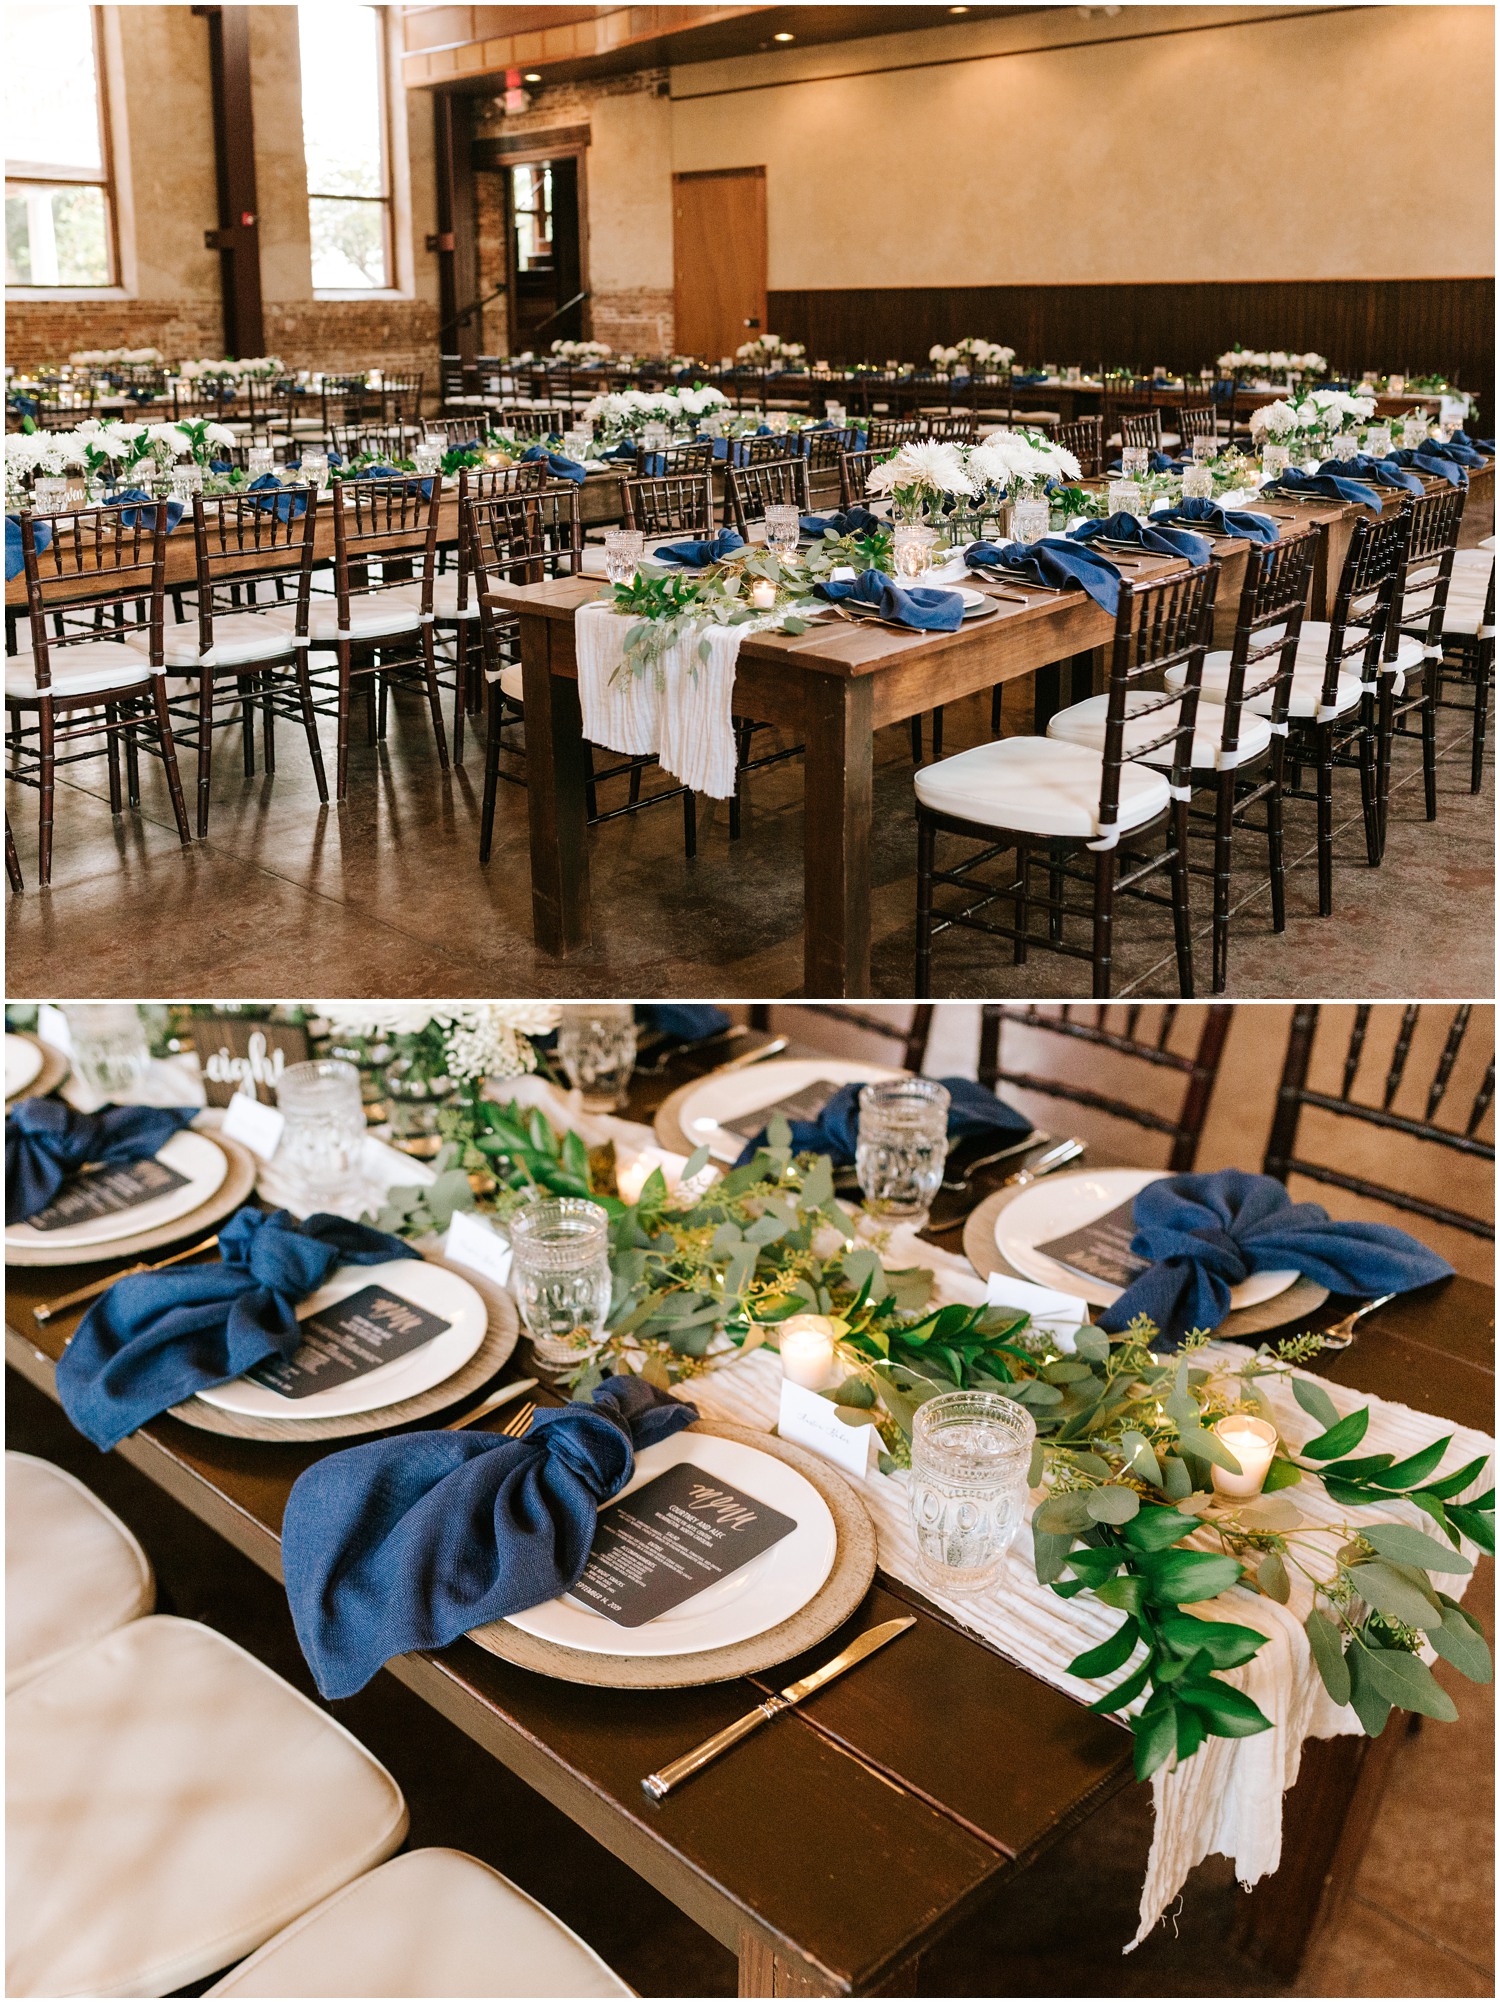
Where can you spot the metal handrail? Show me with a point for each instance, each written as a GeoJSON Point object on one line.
{"type": "Point", "coordinates": [566, 307]}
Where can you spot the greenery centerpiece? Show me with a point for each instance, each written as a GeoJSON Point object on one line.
{"type": "Point", "coordinates": [436, 1050]}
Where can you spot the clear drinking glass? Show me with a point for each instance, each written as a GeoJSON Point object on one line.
{"type": "Point", "coordinates": [1413, 432]}
{"type": "Point", "coordinates": [560, 1275]}
{"type": "Point", "coordinates": [1378, 441]}
{"type": "Point", "coordinates": [623, 549]}
{"type": "Point", "coordinates": [322, 1145]}
{"type": "Point", "coordinates": [1030, 518]}
{"type": "Point", "coordinates": [427, 457]}
{"type": "Point", "coordinates": [1197, 483]}
{"type": "Point", "coordinates": [49, 495]}
{"type": "Point", "coordinates": [1274, 460]}
{"type": "Point", "coordinates": [1126, 498]}
{"type": "Point", "coordinates": [1134, 461]}
{"type": "Point", "coordinates": [783, 526]}
{"type": "Point", "coordinates": [578, 444]}
{"type": "Point", "coordinates": [970, 1455]}
{"type": "Point", "coordinates": [110, 1053]}
{"type": "Point", "coordinates": [1345, 446]}
{"type": "Point", "coordinates": [261, 459]}
{"type": "Point", "coordinates": [314, 471]}
{"type": "Point", "coordinates": [903, 1143]}
{"type": "Point", "coordinates": [1205, 449]}
{"type": "Point", "coordinates": [596, 1048]}
{"type": "Point", "coordinates": [655, 437]}
{"type": "Point", "coordinates": [911, 551]}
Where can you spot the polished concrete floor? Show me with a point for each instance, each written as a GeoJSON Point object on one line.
{"type": "Point", "coordinates": [385, 895]}
{"type": "Point", "coordinates": [1419, 1920]}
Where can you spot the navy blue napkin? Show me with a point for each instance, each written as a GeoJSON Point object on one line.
{"type": "Point", "coordinates": [709, 550]}
{"type": "Point", "coordinates": [974, 1109]}
{"type": "Point", "coordinates": [845, 522]}
{"type": "Point", "coordinates": [287, 503]}
{"type": "Point", "coordinates": [1147, 536]}
{"type": "Point", "coordinates": [624, 450]}
{"type": "Point", "coordinates": [1205, 1233]}
{"type": "Point", "coordinates": [147, 514]}
{"type": "Point", "coordinates": [1457, 449]}
{"type": "Point", "coordinates": [1029, 376]}
{"type": "Point", "coordinates": [1423, 461]}
{"type": "Point", "coordinates": [46, 1142]}
{"type": "Point", "coordinates": [923, 607]}
{"type": "Point", "coordinates": [682, 1020]}
{"type": "Point", "coordinates": [395, 473]}
{"type": "Point", "coordinates": [15, 561]}
{"type": "Point", "coordinates": [565, 469]}
{"type": "Point", "coordinates": [1056, 561]}
{"type": "Point", "coordinates": [1213, 518]}
{"type": "Point", "coordinates": [23, 406]}
{"type": "Point", "coordinates": [156, 1338]}
{"type": "Point", "coordinates": [408, 1543]}
{"type": "Point", "coordinates": [1323, 486]}
{"type": "Point", "coordinates": [1384, 472]}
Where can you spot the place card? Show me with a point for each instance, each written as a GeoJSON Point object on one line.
{"type": "Point", "coordinates": [1101, 1250]}
{"type": "Point", "coordinates": [473, 1243]}
{"type": "Point", "coordinates": [1059, 1316]}
{"type": "Point", "coordinates": [102, 1191]}
{"type": "Point", "coordinates": [808, 1419]}
{"type": "Point", "coordinates": [670, 1540]}
{"type": "Point", "coordinates": [350, 1339]}
{"type": "Point", "coordinates": [52, 1027]}
{"type": "Point", "coordinates": [255, 1126]}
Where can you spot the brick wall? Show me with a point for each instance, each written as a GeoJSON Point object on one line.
{"type": "Point", "coordinates": [637, 321]}
{"type": "Point", "coordinates": [489, 247]}
{"type": "Point", "coordinates": [40, 331]}
{"type": "Point", "coordinates": [351, 334]}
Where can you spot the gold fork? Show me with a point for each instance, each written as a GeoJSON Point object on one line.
{"type": "Point", "coordinates": [501, 1397]}
{"type": "Point", "coordinates": [519, 1421]}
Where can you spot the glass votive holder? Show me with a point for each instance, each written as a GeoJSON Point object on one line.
{"type": "Point", "coordinates": [1030, 517]}
{"type": "Point", "coordinates": [1253, 1443]}
{"type": "Point", "coordinates": [1395, 385]}
{"type": "Point", "coordinates": [1197, 483]}
{"type": "Point", "coordinates": [783, 527]}
{"type": "Point", "coordinates": [314, 470]}
{"type": "Point", "coordinates": [1378, 441]}
{"type": "Point", "coordinates": [1413, 432]}
{"type": "Point", "coordinates": [49, 495]}
{"type": "Point", "coordinates": [834, 412]}
{"type": "Point", "coordinates": [560, 1276]}
{"type": "Point", "coordinates": [1126, 497]}
{"type": "Point", "coordinates": [596, 1049]}
{"type": "Point", "coordinates": [1205, 449]}
{"type": "Point", "coordinates": [776, 420]}
{"type": "Point", "coordinates": [578, 445]}
{"type": "Point", "coordinates": [911, 550]}
{"type": "Point", "coordinates": [966, 1494]}
{"type": "Point", "coordinates": [261, 459]}
{"type": "Point", "coordinates": [902, 1145]}
{"type": "Point", "coordinates": [1274, 460]}
{"type": "Point", "coordinates": [1345, 446]}
{"type": "Point", "coordinates": [427, 457]}
{"type": "Point", "coordinates": [187, 480]}
{"type": "Point", "coordinates": [655, 437]}
{"type": "Point", "coordinates": [623, 549]}
{"type": "Point", "coordinates": [321, 1150]}
{"type": "Point", "coordinates": [110, 1052]}
{"type": "Point", "coordinates": [1134, 462]}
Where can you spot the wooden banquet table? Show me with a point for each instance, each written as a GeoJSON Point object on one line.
{"type": "Point", "coordinates": [906, 1794]}
{"type": "Point", "coordinates": [832, 688]}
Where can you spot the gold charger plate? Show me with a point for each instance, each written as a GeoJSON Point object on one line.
{"type": "Point", "coordinates": [237, 1187]}
{"type": "Point", "coordinates": [55, 1067]}
{"type": "Point", "coordinates": [1299, 1299]}
{"type": "Point", "coordinates": [466, 1382]}
{"type": "Point", "coordinates": [839, 1596]}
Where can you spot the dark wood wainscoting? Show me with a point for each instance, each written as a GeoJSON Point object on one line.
{"type": "Point", "coordinates": [1410, 324]}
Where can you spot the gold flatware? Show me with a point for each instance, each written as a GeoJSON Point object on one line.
{"type": "Point", "coordinates": [493, 1403]}
{"type": "Point", "coordinates": [659, 1785]}
{"type": "Point", "coordinates": [49, 1309]}
{"type": "Point", "coordinates": [518, 1422]}
{"type": "Point", "coordinates": [1341, 1334]}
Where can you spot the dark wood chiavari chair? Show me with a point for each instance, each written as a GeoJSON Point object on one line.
{"type": "Point", "coordinates": [386, 442]}
{"type": "Point", "coordinates": [756, 451]}
{"type": "Point", "coordinates": [95, 601]}
{"type": "Point", "coordinates": [533, 421]}
{"type": "Point", "coordinates": [492, 379]}
{"type": "Point", "coordinates": [1031, 795]}
{"type": "Point", "coordinates": [826, 448]}
{"type": "Point", "coordinates": [911, 1041]}
{"type": "Point", "coordinates": [1141, 428]}
{"type": "Point", "coordinates": [401, 398]}
{"type": "Point", "coordinates": [669, 504]}
{"type": "Point", "coordinates": [854, 475]}
{"type": "Point", "coordinates": [450, 431]}
{"type": "Point", "coordinates": [65, 406]}
{"type": "Point", "coordinates": [346, 400]}
{"type": "Point", "coordinates": [455, 601]}
{"type": "Point", "coordinates": [245, 642]}
{"type": "Point", "coordinates": [203, 397]}
{"type": "Point", "coordinates": [1142, 1039]}
{"type": "Point", "coordinates": [960, 425]}
{"type": "Point", "coordinates": [1084, 438]}
{"type": "Point", "coordinates": [1413, 649]}
{"type": "Point", "coordinates": [885, 433]}
{"type": "Point", "coordinates": [694, 457]}
{"type": "Point", "coordinates": [13, 874]}
{"type": "Point", "coordinates": [1194, 421]}
{"type": "Point", "coordinates": [453, 381]}
{"type": "Point", "coordinates": [1469, 646]}
{"type": "Point", "coordinates": [1289, 1150]}
{"type": "Point", "coordinates": [750, 490]}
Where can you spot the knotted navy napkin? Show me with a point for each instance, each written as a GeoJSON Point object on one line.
{"type": "Point", "coordinates": [1147, 536]}
{"type": "Point", "coordinates": [147, 515]}
{"type": "Point", "coordinates": [845, 522]}
{"type": "Point", "coordinates": [1216, 520]}
{"type": "Point", "coordinates": [1384, 472]}
{"type": "Point", "coordinates": [1458, 448]}
{"type": "Point", "coordinates": [1206, 1233]}
{"type": "Point", "coordinates": [923, 607]}
{"type": "Point", "coordinates": [1323, 486]}
{"type": "Point", "coordinates": [287, 503]}
{"type": "Point", "coordinates": [1424, 461]}
{"type": "Point", "coordinates": [695, 554]}
{"type": "Point", "coordinates": [682, 1020]}
{"type": "Point", "coordinates": [156, 1338]}
{"type": "Point", "coordinates": [46, 1142]}
{"type": "Point", "coordinates": [15, 561]}
{"type": "Point", "coordinates": [1055, 561]}
{"type": "Point", "coordinates": [408, 1543]}
{"type": "Point", "coordinates": [624, 450]}
{"type": "Point", "coordinates": [973, 1109]}
{"type": "Point", "coordinates": [565, 469]}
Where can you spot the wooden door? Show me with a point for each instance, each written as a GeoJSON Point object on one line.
{"type": "Point", "coordinates": [719, 259]}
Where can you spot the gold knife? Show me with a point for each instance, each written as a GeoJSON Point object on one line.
{"type": "Point", "coordinates": [47, 1309]}
{"type": "Point", "coordinates": [659, 1785]}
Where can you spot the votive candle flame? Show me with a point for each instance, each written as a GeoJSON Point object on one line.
{"type": "Point", "coordinates": [806, 1342]}
{"type": "Point", "coordinates": [1252, 1441]}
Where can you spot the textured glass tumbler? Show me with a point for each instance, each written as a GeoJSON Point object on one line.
{"type": "Point", "coordinates": [903, 1143]}
{"type": "Point", "coordinates": [1029, 518]}
{"type": "Point", "coordinates": [911, 551]}
{"type": "Point", "coordinates": [560, 1276]}
{"type": "Point", "coordinates": [970, 1457]}
{"type": "Point", "coordinates": [623, 550]}
{"type": "Point", "coordinates": [596, 1048]}
{"type": "Point", "coordinates": [322, 1146]}
{"type": "Point", "coordinates": [783, 527]}
{"type": "Point", "coordinates": [110, 1053]}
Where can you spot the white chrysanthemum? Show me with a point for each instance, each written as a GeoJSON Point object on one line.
{"type": "Point", "coordinates": [935, 465]}
{"type": "Point", "coordinates": [1274, 420]}
{"type": "Point", "coordinates": [176, 440]}
{"type": "Point", "coordinates": [218, 434]}
{"type": "Point", "coordinates": [384, 1018]}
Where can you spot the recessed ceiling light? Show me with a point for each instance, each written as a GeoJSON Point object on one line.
{"type": "Point", "coordinates": [783, 37]}
{"type": "Point", "coordinates": [958, 10]}
{"type": "Point", "coordinates": [533, 76]}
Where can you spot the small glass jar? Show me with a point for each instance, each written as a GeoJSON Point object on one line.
{"type": "Point", "coordinates": [322, 1145]}
{"type": "Point", "coordinates": [1205, 450]}
{"type": "Point", "coordinates": [1135, 461]}
{"type": "Point", "coordinates": [427, 457]}
{"type": "Point", "coordinates": [1030, 517]}
{"type": "Point", "coordinates": [49, 494]}
{"type": "Point", "coordinates": [623, 549]}
{"type": "Point", "coordinates": [970, 1459]}
{"type": "Point", "coordinates": [783, 528]}
{"type": "Point", "coordinates": [314, 470]}
{"type": "Point", "coordinates": [596, 1049]}
{"type": "Point", "coordinates": [578, 445]}
{"type": "Point", "coordinates": [902, 1145]}
{"type": "Point", "coordinates": [1345, 446]}
{"type": "Point", "coordinates": [1197, 483]}
{"type": "Point", "coordinates": [1413, 432]}
{"type": "Point", "coordinates": [1378, 441]}
{"type": "Point", "coordinates": [561, 1278]}
{"type": "Point", "coordinates": [261, 459]}
{"type": "Point", "coordinates": [415, 1096]}
{"type": "Point", "coordinates": [1274, 460]}
{"type": "Point", "coordinates": [655, 437]}
{"type": "Point", "coordinates": [911, 551]}
{"type": "Point", "coordinates": [110, 1052]}
{"type": "Point", "coordinates": [1126, 497]}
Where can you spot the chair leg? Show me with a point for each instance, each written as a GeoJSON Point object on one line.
{"type": "Point", "coordinates": [916, 738]}
{"type": "Point", "coordinates": [382, 706]}
{"type": "Point", "coordinates": [1055, 886]}
{"type": "Point", "coordinates": [112, 756]}
{"type": "Point", "coordinates": [434, 696]}
{"type": "Point", "coordinates": [1325, 821]}
{"type": "Point", "coordinates": [1481, 716]}
{"type": "Point", "coordinates": [1275, 844]}
{"type": "Point", "coordinates": [1369, 794]}
{"type": "Point", "coordinates": [1381, 718]}
{"type": "Point", "coordinates": [491, 771]}
{"type": "Point", "coordinates": [1022, 904]}
{"type": "Point", "coordinates": [47, 759]}
{"type": "Point", "coordinates": [268, 709]}
{"type": "Point", "coordinates": [1182, 925]}
{"type": "Point", "coordinates": [637, 772]}
{"type": "Point", "coordinates": [310, 724]}
{"type": "Point", "coordinates": [245, 684]}
{"type": "Point", "coordinates": [13, 874]}
{"type": "Point", "coordinates": [169, 757]}
{"type": "Point", "coordinates": [995, 710]}
{"type": "Point", "coordinates": [689, 826]}
{"type": "Point", "coordinates": [590, 789]}
{"type": "Point", "coordinates": [370, 720]}
{"type": "Point", "coordinates": [937, 732]}
{"type": "Point", "coordinates": [926, 847]}
{"type": "Point", "coordinates": [460, 688]}
{"type": "Point", "coordinates": [1223, 858]}
{"type": "Point", "coordinates": [1104, 921]}
{"type": "Point", "coordinates": [205, 745]}
{"type": "Point", "coordinates": [346, 695]}
{"type": "Point", "coordinates": [1429, 739]}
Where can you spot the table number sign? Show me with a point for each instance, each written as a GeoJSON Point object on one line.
{"type": "Point", "coordinates": [670, 1540]}
{"type": "Point", "coordinates": [348, 1340]}
{"type": "Point", "coordinates": [102, 1191]}
{"type": "Point", "coordinates": [234, 1054]}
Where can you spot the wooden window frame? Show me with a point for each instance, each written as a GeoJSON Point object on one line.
{"type": "Point", "coordinates": [39, 174]}
{"type": "Point", "coordinates": [390, 283]}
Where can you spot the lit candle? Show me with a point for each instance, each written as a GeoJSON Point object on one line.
{"type": "Point", "coordinates": [763, 594]}
{"type": "Point", "coordinates": [806, 1342]}
{"type": "Point", "coordinates": [1252, 1442]}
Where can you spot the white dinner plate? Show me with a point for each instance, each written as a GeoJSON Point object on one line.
{"type": "Point", "coordinates": [416, 1280]}
{"type": "Point", "coordinates": [196, 1156]}
{"type": "Point", "coordinates": [760, 1595]}
{"type": "Point", "coordinates": [724, 1095]}
{"type": "Point", "coordinates": [23, 1060]}
{"type": "Point", "coordinates": [1062, 1203]}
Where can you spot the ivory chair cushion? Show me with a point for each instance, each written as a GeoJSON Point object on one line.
{"type": "Point", "coordinates": [1084, 724]}
{"type": "Point", "coordinates": [444, 598]}
{"type": "Point", "coordinates": [428, 1923]}
{"type": "Point", "coordinates": [240, 638]}
{"type": "Point", "coordinates": [1036, 786]}
{"type": "Point", "coordinates": [92, 667]}
{"type": "Point", "coordinates": [1468, 591]}
{"type": "Point", "coordinates": [73, 1572]}
{"type": "Point", "coordinates": [170, 1804]}
{"type": "Point", "coordinates": [1307, 686]}
{"type": "Point", "coordinates": [377, 615]}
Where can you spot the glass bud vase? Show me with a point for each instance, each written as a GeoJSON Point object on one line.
{"type": "Point", "coordinates": [414, 1099]}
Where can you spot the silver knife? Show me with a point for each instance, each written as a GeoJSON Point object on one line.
{"type": "Point", "coordinates": [659, 1785]}
{"type": "Point", "coordinates": [756, 1056]}
{"type": "Point", "coordinates": [1055, 1158]}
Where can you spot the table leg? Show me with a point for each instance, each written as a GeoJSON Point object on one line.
{"type": "Point", "coordinates": [839, 787]}
{"type": "Point", "coordinates": [556, 777]}
{"type": "Point", "coordinates": [1046, 693]}
{"type": "Point", "coordinates": [764, 1972]}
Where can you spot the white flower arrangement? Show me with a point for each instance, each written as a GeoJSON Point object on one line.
{"type": "Point", "coordinates": [769, 348]}
{"type": "Point", "coordinates": [473, 1040]}
{"type": "Point", "coordinates": [256, 365]}
{"type": "Point", "coordinates": [944, 356]}
{"type": "Point", "coordinates": [1022, 462]}
{"type": "Point", "coordinates": [1274, 420]}
{"type": "Point", "coordinates": [975, 350]}
{"type": "Point", "coordinates": [622, 411]}
{"type": "Point", "coordinates": [103, 357]}
{"type": "Point", "coordinates": [582, 351]}
{"type": "Point", "coordinates": [1277, 364]}
{"type": "Point", "coordinates": [922, 467]}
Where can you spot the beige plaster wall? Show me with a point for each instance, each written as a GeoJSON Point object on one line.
{"type": "Point", "coordinates": [166, 121]}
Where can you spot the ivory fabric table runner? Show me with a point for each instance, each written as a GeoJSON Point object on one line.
{"type": "Point", "coordinates": [681, 714]}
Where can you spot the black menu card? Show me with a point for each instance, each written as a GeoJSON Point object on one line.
{"type": "Point", "coordinates": [669, 1540]}
{"type": "Point", "coordinates": [804, 1105]}
{"type": "Point", "coordinates": [1101, 1250]}
{"type": "Point", "coordinates": [348, 1340]}
{"type": "Point", "coordinates": [105, 1189]}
